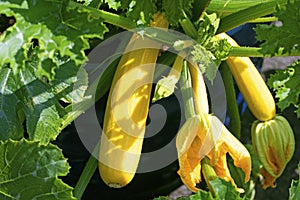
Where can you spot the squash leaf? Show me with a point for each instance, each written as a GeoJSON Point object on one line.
{"type": "Point", "coordinates": [209, 52]}
{"type": "Point", "coordinates": [176, 10]}
{"type": "Point", "coordinates": [288, 33]}
{"type": "Point", "coordinates": [137, 11]}
{"type": "Point", "coordinates": [35, 103]}
{"type": "Point", "coordinates": [286, 84]}
{"type": "Point", "coordinates": [295, 188]}
{"type": "Point", "coordinates": [224, 190]}
{"type": "Point", "coordinates": [30, 171]}
{"type": "Point", "coordinates": [57, 29]}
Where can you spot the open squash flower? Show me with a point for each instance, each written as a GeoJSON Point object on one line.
{"type": "Point", "coordinates": [205, 135]}
{"type": "Point", "coordinates": [274, 144]}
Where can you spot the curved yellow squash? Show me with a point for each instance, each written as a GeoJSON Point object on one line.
{"type": "Point", "coordinates": [251, 84]}
{"type": "Point", "coordinates": [127, 110]}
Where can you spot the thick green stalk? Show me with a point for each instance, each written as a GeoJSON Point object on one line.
{"type": "Point", "coordinates": [232, 107]}
{"type": "Point", "coordinates": [186, 89]}
{"type": "Point", "coordinates": [264, 19]}
{"type": "Point", "coordinates": [233, 20]}
{"type": "Point", "coordinates": [224, 8]}
{"type": "Point", "coordinates": [255, 52]}
{"type": "Point", "coordinates": [108, 17]}
{"type": "Point", "coordinates": [86, 175]}
{"type": "Point", "coordinates": [246, 52]}
{"type": "Point", "coordinates": [209, 174]}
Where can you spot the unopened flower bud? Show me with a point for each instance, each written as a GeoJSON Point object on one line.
{"type": "Point", "coordinates": [274, 144]}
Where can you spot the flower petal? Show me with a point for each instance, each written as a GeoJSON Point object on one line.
{"type": "Point", "coordinates": [186, 134]}
{"type": "Point", "coordinates": [268, 180]}
{"type": "Point", "coordinates": [238, 153]}
{"type": "Point", "coordinates": [190, 152]}
{"type": "Point", "coordinates": [189, 172]}
{"type": "Point", "coordinates": [222, 170]}
{"type": "Point", "coordinates": [235, 148]}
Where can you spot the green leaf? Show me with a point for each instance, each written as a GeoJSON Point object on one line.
{"type": "Point", "coordinates": [295, 188]}
{"type": "Point", "coordinates": [288, 32]}
{"type": "Point", "coordinates": [286, 85]}
{"type": "Point", "coordinates": [25, 98]}
{"type": "Point", "coordinates": [30, 171]}
{"type": "Point", "coordinates": [209, 51]}
{"type": "Point", "coordinates": [205, 60]}
{"type": "Point", "coordinates": [202, 195]}
{"type": "Point", "coordinates": [113, 4]}
{"type": "Point", "coordinates": [220, 49]}
{"type": "Point", "coordinates": [23, 93]}
{"type": "Point", "coordinates": [176, 10]}
{"type": "Point", "coordinates": [255, 163]}
{"type": "Point", "coordinates": [141, 10]}
{"type": "Point", "coordinates": [225, 190]}
{"type": "Point", "coordinates": [10, 121]}
{"type": "Point", "coordinates": [59, 29]}
{"type": "Point", "coordinates": [70, 85]}
{"type": "Point", "coordinates": [207, 28]}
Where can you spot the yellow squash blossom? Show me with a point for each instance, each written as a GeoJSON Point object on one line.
{"type": "Point", "coordinates": [205, 135]}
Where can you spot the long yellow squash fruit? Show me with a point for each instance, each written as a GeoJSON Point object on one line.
{"type": "Point", "coordinates": [251, 84]}
{"type": "Point", "coordinates": [127, 110]}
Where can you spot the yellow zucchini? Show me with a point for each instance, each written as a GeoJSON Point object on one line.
{"type": "Point", "coordinates": [251, 84]}
{"type": "Point", "coordinates": [127, 110]}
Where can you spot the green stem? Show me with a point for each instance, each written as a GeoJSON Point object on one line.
{"type": "Point", "coordinates": [108, 17]}
{"type": "Point", "coordinates": [232, 107]}
{"type": "Point", "coordinates": [233, 20]}
{"type": "Point", "coordinates": [86, 175]}
{"type": "Point", "coordinates": [264, 19]}
{"type": "Point", "coordinates": [246, 52]}
{"type": "Point", "coordinates": [255, 52]}
{"type": "Point", "coordinates": [236, 173]}
{"type": "Point", "coordinates": [188, 27]}
{"type": "Point", "coordinates": [125, 23]}
{"type": "Point", "coordinates": [223, 8]}
{"type": "Point", "coordinates": [186, 89]}
{"type": "Point", "coordinates": [209, 174]}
